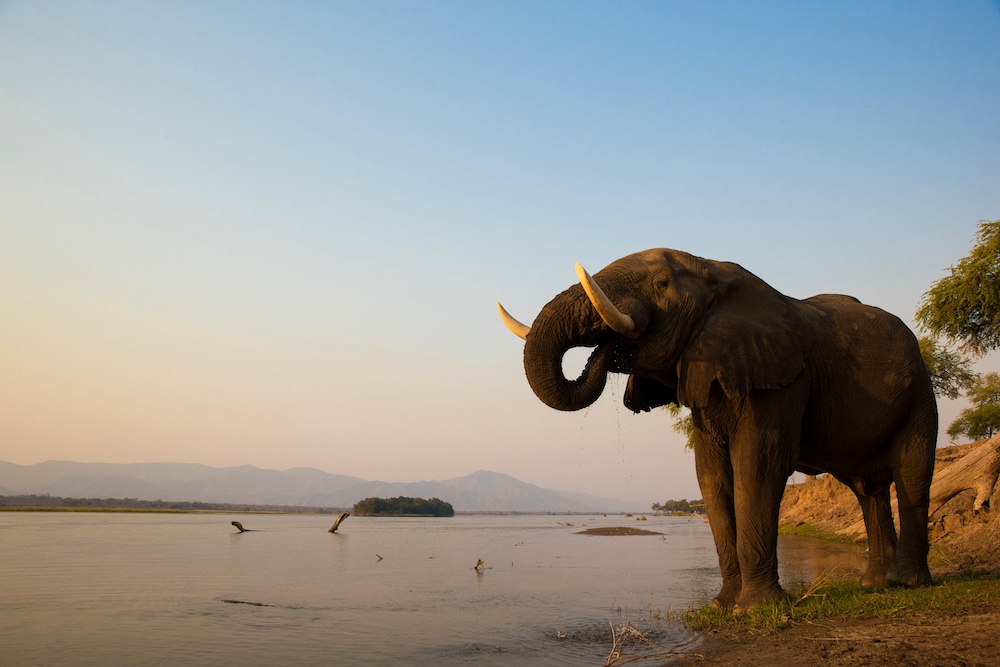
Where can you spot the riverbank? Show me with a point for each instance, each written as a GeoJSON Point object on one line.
{"type": "Point", "coordinates": [960, 539]}
{"type": "Point", "coordinates": [964, 636]}
{"type": "Point", "coordinates": [950, 624]}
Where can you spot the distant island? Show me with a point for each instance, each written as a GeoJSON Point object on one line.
{"type": "Point", "coordinates": [403, 506]}
{"type": "Point", "coordinates": [43, 502]}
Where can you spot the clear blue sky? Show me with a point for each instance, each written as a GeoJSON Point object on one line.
{"type": "Point", "coordinates": [273, 233]}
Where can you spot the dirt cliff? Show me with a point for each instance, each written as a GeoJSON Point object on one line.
{"type": "Point", "coordinates": [961, 538]}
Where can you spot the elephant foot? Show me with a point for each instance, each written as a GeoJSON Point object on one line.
{"type": "Point", "coordinates": [750, 599]}
{"type": "Point", "coordinates": [874, 580]}
{"type": "Point", "coordinates": [875, 574]}
{"type": "Point", "coordinates": [727, 597]}
{"type": "Point", "coordinates": [910, 576]}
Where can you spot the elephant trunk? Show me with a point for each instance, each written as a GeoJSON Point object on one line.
{"type": "Point", "coordinates": [567, 321]}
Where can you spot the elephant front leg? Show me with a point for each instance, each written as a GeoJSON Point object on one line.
{"type": "Point", "coordinates": [761, 458]}
{"type": "Point", "coordinates": [715, 478]}
{"type": "Point", "coordinates": [757, 539]}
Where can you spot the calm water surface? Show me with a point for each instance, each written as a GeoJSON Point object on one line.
{"type": "Point", "coordinates": [187, 589]}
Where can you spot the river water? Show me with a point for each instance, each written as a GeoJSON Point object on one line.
{"type": "Point", "coordinates": [188, 589]}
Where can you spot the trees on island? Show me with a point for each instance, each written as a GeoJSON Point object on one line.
{"type": "Point", "coordinates": [679, 507]}
{"type": "Point", "coordinates": [403, 506]}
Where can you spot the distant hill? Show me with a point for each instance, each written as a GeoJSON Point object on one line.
{"type": "Point", "coordinates": [481, 491]}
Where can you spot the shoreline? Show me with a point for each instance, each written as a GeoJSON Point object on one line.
{"type": "Point", "coordinates": [957, 630]}
{"type": "Point", "coordinates": [963, 634]}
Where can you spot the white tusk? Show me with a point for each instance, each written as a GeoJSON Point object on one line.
{"type": "Point", "coordinates": [614, 318]}
{"type": "Point", "coordinates": [518, 329]}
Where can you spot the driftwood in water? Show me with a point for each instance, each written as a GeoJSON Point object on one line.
{"type": "Point", "coordinates": [978, 470]}
{"type": "Point", "coordinates": [241, 528]}
{"type": "Point", "coordinates": [336, 524]}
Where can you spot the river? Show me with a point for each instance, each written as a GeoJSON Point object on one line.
{"type": "Point", "coordinates": [188, 589]}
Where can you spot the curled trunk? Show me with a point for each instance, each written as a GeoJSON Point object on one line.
{"type": "Point", "coordinates": [566, 322]}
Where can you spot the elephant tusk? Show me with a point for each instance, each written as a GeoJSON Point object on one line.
{"type": "Point", "coordinates": [614, 318]}
{"type": "Point", "coordinates": [518, 329]}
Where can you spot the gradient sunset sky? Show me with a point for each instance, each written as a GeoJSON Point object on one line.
{"type": "Point", "coordinates": [273, 233]}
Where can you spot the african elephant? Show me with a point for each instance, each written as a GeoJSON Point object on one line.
{"type": "Point", "coordinates": [774, 384]}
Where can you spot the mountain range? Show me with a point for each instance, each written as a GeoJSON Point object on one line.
{"type": "Point", "coordinates": [482, 491]}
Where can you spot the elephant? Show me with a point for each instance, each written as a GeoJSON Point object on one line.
{"type": "Point", "coordinates": [774, 384]}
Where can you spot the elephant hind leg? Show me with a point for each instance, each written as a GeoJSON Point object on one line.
{"type": "Point", "coordinates": [915, 445]}
{"type": "Point", "coordinates": [873, 496]}
{"type": "Point", "coordinates": [882, 541]}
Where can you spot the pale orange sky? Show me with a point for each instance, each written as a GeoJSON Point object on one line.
{"type": "Point", "coordinates": [275, 236]}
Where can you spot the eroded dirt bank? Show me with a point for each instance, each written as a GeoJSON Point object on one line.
{"type": "Point", "coordinates": [961, 540]}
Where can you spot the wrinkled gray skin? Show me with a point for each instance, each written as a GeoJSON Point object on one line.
{"type": "Point", "coordinates": [774, 385]}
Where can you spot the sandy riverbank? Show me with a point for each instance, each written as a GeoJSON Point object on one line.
{"type": "Point", "coordinates": [965, 635]}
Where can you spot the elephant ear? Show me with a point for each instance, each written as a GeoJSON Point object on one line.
{"type": "Point", "coordinates": [753, 338]}
{"type": "Point", "coordinates": [642, 394]}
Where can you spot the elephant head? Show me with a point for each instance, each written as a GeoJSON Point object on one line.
{"type": "Point", "coordinates": [685, 329]}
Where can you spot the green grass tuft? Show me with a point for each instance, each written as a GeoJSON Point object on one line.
{"type": "Point", "coordinates": [832, 598]}
{"type": "Point", "coordinates": [809, 530]}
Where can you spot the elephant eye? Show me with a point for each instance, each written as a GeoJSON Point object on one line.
{"type": "Point", "coordinates": [662, 283]}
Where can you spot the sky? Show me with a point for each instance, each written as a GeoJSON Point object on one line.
{"type": "Point", "coordinates": [274, 233]}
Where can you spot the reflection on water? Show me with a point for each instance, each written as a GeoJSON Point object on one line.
{"type": "Point", "coordinates": [806, 559]}
{"type": "Point", "coordinates": [186, 589]}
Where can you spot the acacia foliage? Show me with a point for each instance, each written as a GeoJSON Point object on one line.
{"type": "Point", "coordinates": [403, 506]}
{"type": "Point", "coordinates": [951, 372]}
{"type": "Point", "coordinates": [683, 423]}
{"type": "Point", "coordinates": [965, 305]}
{"type": "Point", "coordinates": [982, 420]}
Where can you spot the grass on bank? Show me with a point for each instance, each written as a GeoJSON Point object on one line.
{"type": "Point", "coordinates": [829, 598]}
{"type": "Point", "coordinates": [845, 599]}
{"type": "Point", "coordinates": [809, 530]}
